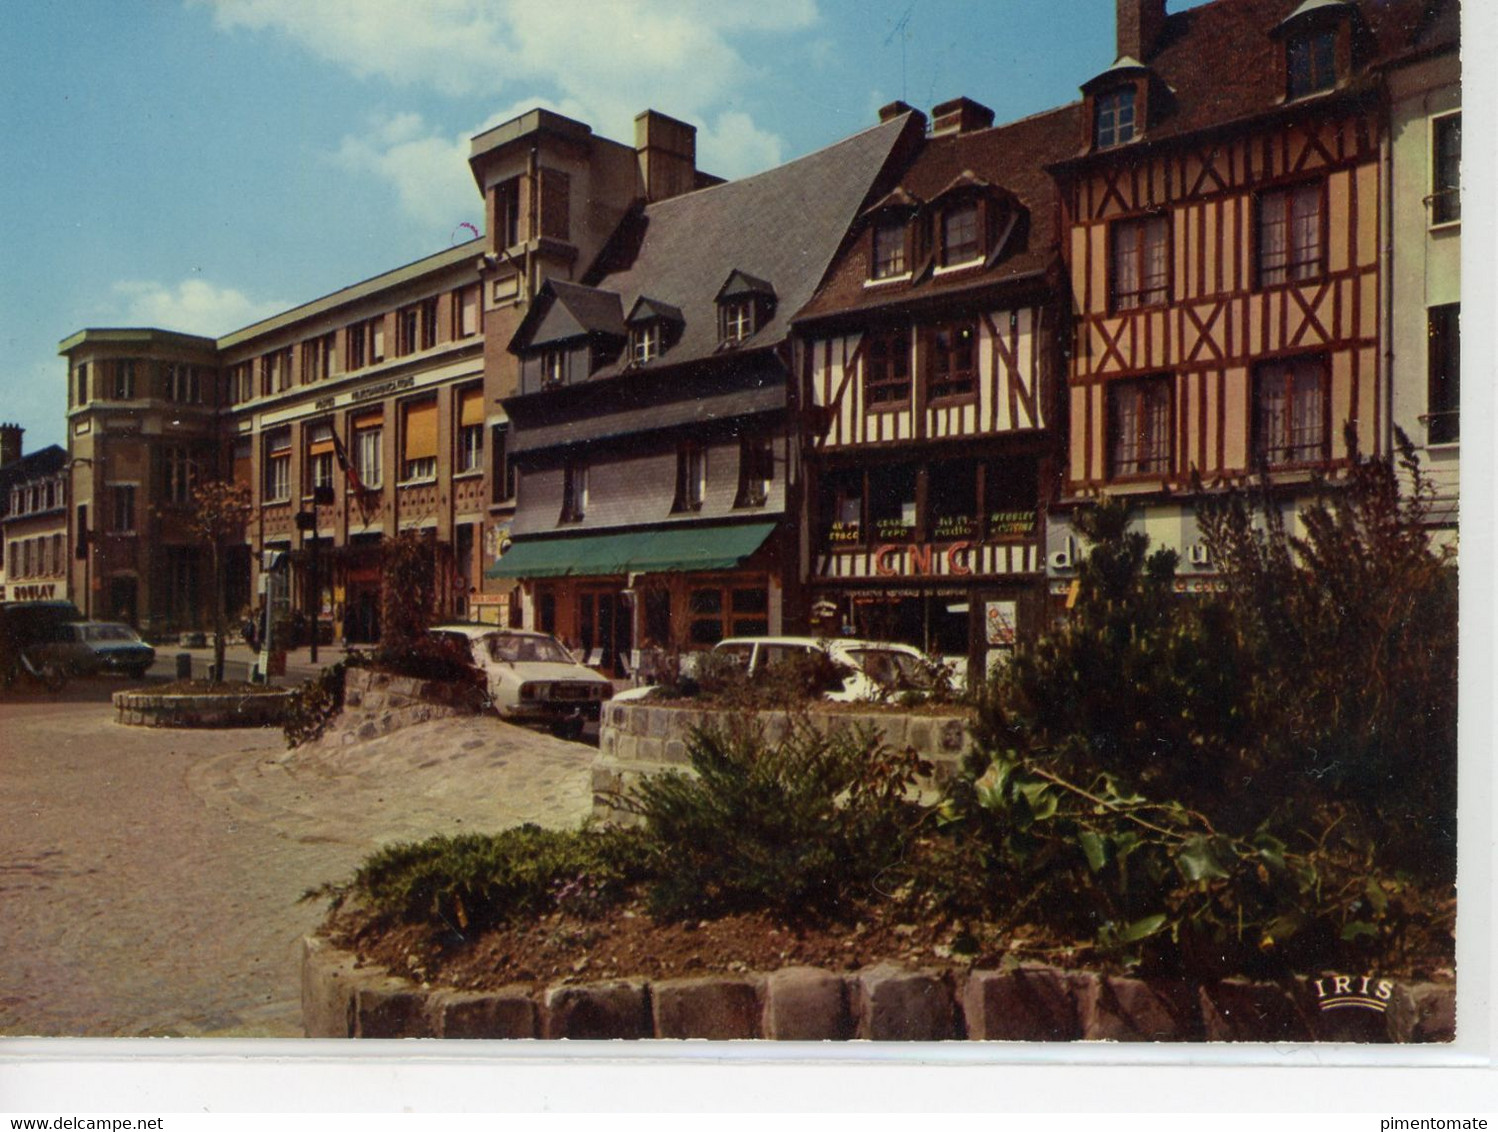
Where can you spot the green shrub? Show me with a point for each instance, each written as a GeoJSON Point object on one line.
{"type": "Point", "coordinates": [807, 827]}
{"type": "Point", "coordinates": [314, 705]}
{"type": "Point", "coordinates": [475, 881]}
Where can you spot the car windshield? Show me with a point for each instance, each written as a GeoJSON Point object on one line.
{"type": "Point", "coordinates": [108, 633]}
{"type": "Point", "coordinates": [888, 667]}
{"type": "Point", "coordinates": [519, 649]}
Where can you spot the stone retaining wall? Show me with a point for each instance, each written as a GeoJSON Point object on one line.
{"type": "Point", "coordinates": [636, 740]}
{"type": "Point", "coordinates": [201, 709]}
{"type": "Point", "coordinates": [341, 999]}
{"type": "Point", "coordinates": [377, 703]}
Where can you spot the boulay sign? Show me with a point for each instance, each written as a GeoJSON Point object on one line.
{"type": "Point", "coordinates": [35, 591]}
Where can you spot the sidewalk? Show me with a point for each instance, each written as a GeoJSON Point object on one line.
{"type": "Point", "coordinates": [239, 658]}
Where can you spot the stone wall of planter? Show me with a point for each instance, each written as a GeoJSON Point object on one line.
{"type": "Point", "coordinates": [636, 740]}
{"type": "Point", "coordinates": [377, 703]}
{"type": "Point", "coordinates": [201, 709]}
{"type": "Point", "coordinates": [341, 999]}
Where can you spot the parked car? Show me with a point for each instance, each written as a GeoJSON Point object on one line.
{"type": "Point", "coordinates": [870, 670]}
{"type": "Point", "coordinates": [88, 647]}
{"type": "Point", "coordinates": [27, 628]}
{"type": "Point", "coordinates": [532, 677]}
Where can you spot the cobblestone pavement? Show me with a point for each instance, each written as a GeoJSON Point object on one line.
{"type": "Point", "coordinates": [150, 880]}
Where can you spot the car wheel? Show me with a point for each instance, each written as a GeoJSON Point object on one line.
{"type": "Point", "coordinates": [569, 729]}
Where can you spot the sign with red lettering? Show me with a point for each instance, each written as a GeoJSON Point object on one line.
{"type": "Point", "coordinates": [922, 559]}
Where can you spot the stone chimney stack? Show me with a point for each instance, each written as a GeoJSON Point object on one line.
{"type": "Point", "coordinates": [960, 116]}
{"type": "Point", "coordinates": [10, 443]}
{"type": "Point", "coordinates": [894, 109]}
{"type": "Point", "coordinates": [1139, 25]}
{"type": "Point", "coordinates": [667, 152]}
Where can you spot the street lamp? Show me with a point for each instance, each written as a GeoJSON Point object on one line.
{"type": "Point", "coordinates": [306, 522]}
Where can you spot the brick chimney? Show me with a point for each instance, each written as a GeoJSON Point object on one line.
{"type": "Point", "coordinates": [10, 443]}
{"type": "Point", "coordinates": [894, 109]}
{"type": "Point", "coordinates": [1139, 25]}
{"type": "Point", "coordinates": [960, 116]}
{"type": "Point", "coordinates": [667, 152]}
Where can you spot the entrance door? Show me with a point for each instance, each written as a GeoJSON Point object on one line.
{"type": "Point", "coordinates": [603, 628]}
{"type": "Point", "coordinates": [123, 599]}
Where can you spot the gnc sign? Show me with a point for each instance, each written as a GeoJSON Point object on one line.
{"type": "Point", "coordinates": [918, 559]}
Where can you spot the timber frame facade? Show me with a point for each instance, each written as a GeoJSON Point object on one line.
{"type": "Point", "coordinates": [1226, 259]}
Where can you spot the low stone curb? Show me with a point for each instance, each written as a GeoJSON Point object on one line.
{"type": "Point", "coordinates": [377, 703]}
{"type": "Point", "coordinates": [202, 709]}
{"type": "Point", "coordinates": [341, 999]}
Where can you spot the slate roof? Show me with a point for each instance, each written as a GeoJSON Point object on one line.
{"type": "Point", "coordinates": [1012, 158]}
{"type": "Point", "coordinates": [782, 226]}
{"type": "Point", "coordinates": [1219, 63]}
{"type": "Point", "coordinates": [35, 465]}
{"type": "Point", "coordinates": [577, 311]}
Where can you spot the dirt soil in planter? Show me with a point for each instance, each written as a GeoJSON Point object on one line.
{"type": "Point", "coordinates": [208, 687]}
{"type": "Point", "coordinates": [629, 944]}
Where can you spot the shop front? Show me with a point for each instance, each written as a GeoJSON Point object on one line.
{"type": "Point", "coordinates": [628, 602]}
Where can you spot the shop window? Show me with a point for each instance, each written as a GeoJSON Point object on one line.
{"type": "Point", "coordinates": [502, 468]}
{"type": "Point", "coordinates": [892, 502]}
{"type": "Point", "coordinates": [1446, 169]}
{"type": "Point", "coordinates": [891, 256]}
{"type": "Point", "coordinates": [1141, 263]}
{"type": "Point", "coordinates": [1290, 236]}
{"type": "Point", "coordinates": [1139, 429]}
{"type": "Point", "coordinates": [419, 440]}
{"type": "Point", "coordinates": [1443, 419]}
{"type": "Point", "coordinates": [886, 378]}
{"type": "Point", "coordinates": [574, 493]}
{"type": "Point", "coordinates": [691, 477]}
{"type": "Point", "coordinates": [470, 438]}
{"type": "Point", "coordinates": [960, 237]}
{"type": "Point", "coordinates": [320, 453]}
{"type": "Point", "coordinates": [277, 486]}
{"type": "Point", "coordinates": [842, 507]}
{"type": "Point", "coordinates": [1290, 408]}
{"type": "Point", "coordinates": [1310, 62]}
{"type": "Point", "coordinates": [716, 612]}
{"type": "Point", "coordinates": [952, 501]}
{"type": "Point", "coordinates": [952, 364]}
{"type": "Point", "coordinates": [122, 503]}
{"type": "Point", "coordinates": [369, 449]}
{"type": "Point", "coordinates": [1113, 118]}
{"type": "Point", "coordinates": [756, 471]}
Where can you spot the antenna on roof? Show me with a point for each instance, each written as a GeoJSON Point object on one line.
{"type": "Point", "coordinates": [902, 29]}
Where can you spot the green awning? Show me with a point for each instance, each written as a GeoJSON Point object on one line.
{"type": "Point", "coordinates": [642, 552]}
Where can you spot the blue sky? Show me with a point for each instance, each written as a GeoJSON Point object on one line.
{"type": "Point", "coordinates": [199, 164]}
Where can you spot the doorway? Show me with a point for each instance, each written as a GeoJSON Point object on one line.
{"type": "Point", "coordinates": [603, 630]}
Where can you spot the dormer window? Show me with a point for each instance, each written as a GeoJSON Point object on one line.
{"type": "Point", "coordinates": [736, 320]}
{"type": "Point", "coordinates": [1311, 62]}
{"type": "Point", "coordinates": [890, 260]}
{"type": "Point", "coordinates": [746, 303]}
{"type": "Point", "coordinates": [1114, 117]}
{"type": "Point", "coordinates": [960, 242]}
{"type": "Point", "coordinates": [553, 368]}
{"type": "Point", "coordinates": [645, 342]}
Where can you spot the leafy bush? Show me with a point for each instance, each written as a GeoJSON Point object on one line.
{"type": "Point", "coordinates": [805, 827]}
{"type": "Point", "coordinates": [314, 705]}
{"type": "Point", "coordinates": [475, 881]}
{"type": "Point", "coordinates": [408, 594]}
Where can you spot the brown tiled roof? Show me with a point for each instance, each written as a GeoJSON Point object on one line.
{"type": "Point", "coordinates": [1011, 157]}
{"type": "Point", "coordinates": [1219, 63]}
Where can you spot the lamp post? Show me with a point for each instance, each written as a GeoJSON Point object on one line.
{"type": "Point", "coordinates": [306, 522]}
{"type": "Point", "coordinates": [82, 544]}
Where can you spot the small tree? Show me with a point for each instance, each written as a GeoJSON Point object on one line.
{"type": "Point", "coordinates": [220, 509]}
{"type": "Point", "coordinates": [408, 594]}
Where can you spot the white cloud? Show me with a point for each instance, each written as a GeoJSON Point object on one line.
{"type": "Point", "coordinates": [600, 62]}
{"type": "Point", "coordinates": [194, 306]}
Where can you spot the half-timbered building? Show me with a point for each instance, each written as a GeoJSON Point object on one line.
{"type": "Point", "coordinates": [1223, 233]}
{"type": "Point", "coordinates": [656, 460]}
{"type": "Point", "coordinates": [931, 385]}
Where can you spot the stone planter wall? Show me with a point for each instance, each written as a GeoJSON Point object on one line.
{"type": "Point", "coordinates": [637, 740]}
{"type": "Point", "coordinates": [201, 709]}
{"type": "Point", "coordinates": [341, 999]}
{"type": "Point", "coordinates": [377, 703]}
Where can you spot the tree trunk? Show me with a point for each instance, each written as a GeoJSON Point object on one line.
{"type": "Point", "coordinates": [219, 628]}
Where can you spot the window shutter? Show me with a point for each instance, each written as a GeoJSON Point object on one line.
{"type": "Point", "coordinates": [470, 407]}
{"type": "Point", "coordinates": [420, 431]}
{"type": "Point", "coordinates": [320, 442]}
{"type": "Point", "coordinates": [373, 418]}
{"type": "Point", "coordinates": [555, 191]}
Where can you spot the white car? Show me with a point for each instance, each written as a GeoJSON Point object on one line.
{"type": "Point", "coordinates": [532, 677]}
{"type": "Point", "coordinates": [876, 670]}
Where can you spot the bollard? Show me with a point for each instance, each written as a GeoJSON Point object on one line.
{"type": "Point", "coordinates": [184, 666]}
